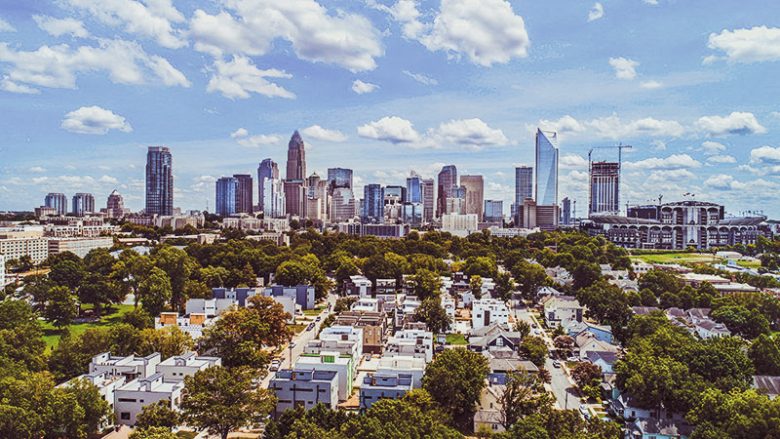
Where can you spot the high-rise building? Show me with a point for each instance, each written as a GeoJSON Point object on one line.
{"type": "Point", "coordinates": [159, 181]}
{"type": "Point", "coordinates": [525, 214]}
{"type": "Point", "coordinates": [244, 194]}
{"type": "Point", "coordinates": [447, 184]}
{"type": "Point", "coordinates": [566, 211]}
{"type": "Point", "coordinates": [115, 205]}
{"type": "Point", "coordinates": [413, 188]}
{"type": "Point", "coordinates": [524, 183]}
{"type": "Point", "coordinates": [274, 205]}
{"type": "Point", "coordinates": [546, 168]}
{"type": "Point", "coordinates": [428, 200]}
{"type": "Point", "coordinates": [339, 177]}
{"type": "Point", "coordinates": [547, 216]}
{"type": "Point", "coordinates": [393, 203]}
{"type": "Point", "coordinates": [475, 194]}
{"type": "Point", "coordinates": [412, 213]}
{"type": "Point", "coordinates": [604, 188]}
{"type": "Point", "coordinates": [83, 203]}
{"type": "Point", "coordinates": [317, 198]}
{"type": "Point", "coordinates": [494, 211]}
{"type": "Point", "coordinates": [267, 170]}
{"type": "Point", "coordinates": [342, 205]}
{"type": "Point", "coordinates": [56, 201]}
{"type": "Point", "coordinates": [227, 194]}
{"type": "Point", "coordinates": [295, 182]}
{"type": "Point", "coordinates": [373, 203]}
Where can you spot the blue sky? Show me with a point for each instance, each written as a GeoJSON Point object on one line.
{"type": "Point", "coordinates": [387, 86]}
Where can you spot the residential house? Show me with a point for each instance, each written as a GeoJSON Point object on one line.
{"type": "Point", "coordinates": [357, 285]}
{"type": "Point", "coordinates": [345, 340]}
{"type": "Point", "coordinates": [334, 361]}
{"type": "Point", "coordinates": [767, 385]}
{"type": "Point", "coordinates": [489, 417]}
{"type": "Point", "coordinates": [105, 382]}
{"type": "Point", "coordinates": [131, 366]}
{"type": "Point", "coordinates": [403, 364]}
{"type": "Point", "coordinates": [587, 342]}
{"type": "Point", "coordinates": [179, 366]}
{"type": "Point", "coordinates": [503, 362]}
{"type": "Point", "coordinates": [448, 303]}
{"type": "Point", "coordinates": [485, 312]}
{"type": "Point", "coordinates": [644, 310]}
{"type": "Point", "coordinates": [601, 332]}
{"type": "Point", "coordinates": [411, 342]}
{"type": "Point", "coordinates": [366, 304]}
{"type": "Point", "coordinates": [132, 397]}
{"type": "Point", "coordinates": [191, 324]}
{"type": "Point", "coordinates": [492, 337]}
{"type": "Point", "coordinates": [383, 386]}
{"type": "Point", "coordinates": [374, 325]}
{"type": "Point", "coordinates": [707, 328]}
{"type": "Point", "coordinates": [304, 295]}
{"type": "Point", "coordinates": [304, 388]}
{"type": "Point", "coordinates": [654, 428]}
{"type": "Point", "coordinates": [561, 310]}
{"type": "Point", "coordinates": [605, 360]}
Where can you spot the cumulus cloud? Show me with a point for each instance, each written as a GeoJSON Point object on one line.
{"type": "Point", "coordinates": [612, 127]}
{"type": "Point", "coordinates": [651, 85]}
{"type": "Point", "coordinates": [6, 26]}
{"type": "Point", "coordinates": [7, 85]}
{"type": "Point", "coordinates": [765, 155]}
{"type": "Point", "coordinates": [150, 19]}
{"type": "Point", "coordinates": [665, 175]}
{"type": "Point", "coordinates": [724, 182]}
{"type": "Point", "coordinates": [572, 161]}
{"type": "Point", "coordinates": [37, 169]}
{"type": "Point", "coordinates": [624, 68]}
{"type": "Point", "coordinates": [57, 27]}
{"type": "Point", "coordinates": [320, 133]}
{"type": "Point", "coordinates": [94, 120]}
{"type": "Point", "coordinates": [709, 147]}
{"type": "Point", "coordinates": [741, 123]}
{"type": "Point", "coordinates": [361, 87]}
{"type": "Point", "coordinates": [391, 129]}
{"type": "Point", "coordinates": [107, 179]}
{"type": "Point", "coordinates": [722, 158]}
{"type": "Point", "coordinates": [470, 132]}
{"type": "Point", "coordinates": [58, 66]}
{"type": "Point", "coordinates": [756, 44]}
{"type": "Point", "coordinates": [596, 12]}
{"type": "Point", "coordinates": [250, 27]}
{"type": "Point", "coordinates": [674, 161]}
{"type": "Point", "coordinates": [422, 79]}
{"type": "Point", "coordinates": [243, 138]}
{"type": "Point", "coordinates": [239, 78]}
{"type": "Point", "coordinates": [486, 32]}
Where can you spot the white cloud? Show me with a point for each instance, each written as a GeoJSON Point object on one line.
{"type": "Point", "coordinates": [765, 155]}
{"type": "Point", "coordinates": [391, 129]}
{"type": "Point", "coordinates": [422, 79]}
{"type": "Point", "coordinates": [94, 120]}
{"type": "Point", "coordinates": [320, 133]}
{"type": "Point", "coordinates": [151, 19]}
{"type": "Point", "coordinates": [651, 2]}
{"type": "Point", "coordinates": [239, 78]}
{"type": "Point", "coordinates": [572, 161]}
{"type": "Point", "coordinates": [775, 114]}
{"type": "Point", "coordinates": [658, 145]}
{"type": "Point", "coordinates": [12, 87]}
{"type": "Point", "coordinates": [485, 31]}
{"type": "Point", "coordinates": [6, 26]}
{"type": "Point", "coordinates": [38, 169]}
{"type": "Point", "coordinates": [612, 127]}
{"type": "Point", "coordinates": [107, 179]}
{"type": "Point", "coordinates": [665, 175]}
{"type": "Point", "coordinates": [651, 85]}
{"type": "Point", "coordinates": [470, 132]}
{"type": "Point", "coordinates": [724, 182]}
{"type": "Point", "coordinates": [624, 68]}
{"type": "Point", "coordinates": [722, 158]}
{"type": "Point", "coordinates": [596, 12]}
{"type": "Point", "coordinates": [711, 148]}
{"type": "Point", "coordinates": [316, 35]}
{"type": "Point", "coordinates": [756, 44]}
{"type": "Point", "coordinates": [361, 87]}
{"type": "Point", "coordinates": [243, 138]}
{"type": "Point", "coordinates": [741, 123]}
{"type": "Point", "coordinates": [61, 26]}
{"type": "Point", "coordinates": [58, 66]}
{"type": "Point", "coordinates": [674, 161]}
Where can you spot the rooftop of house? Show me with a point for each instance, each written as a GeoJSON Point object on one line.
{"type": "Point", "coordinates": [191, 359]}
{"type": "Point", "coordinates": [769, 385]}
{"type": "Point", "coordinates": [607, 357]}
{"type": "Point", "coordinates": [303, 374]}
{"type": "Point", "coordinates": [153, 383]}
{"type": "Point", "coordinates": [404, 362]}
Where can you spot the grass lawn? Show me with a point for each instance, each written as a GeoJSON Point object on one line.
{"type": "Point", "coordinates": [297, 328]}
{"type": "Point", "coordinates": [749, 264]}
{"type": "Point", "coordinates": [313, 312]}
{"type": "Point", "coordinates": [676, 258]}
{"type": "Point", "coordinates": [456, 339]}
{"type": "Point", "coordinates": [52, 334]}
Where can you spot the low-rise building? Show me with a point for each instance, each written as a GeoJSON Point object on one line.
{"type": "Point", "coordinates": [179, 366]}
{"type": "Point", "coordinates": [304, 388]}
{"type": "Point", "coordinates": [357, 285]}
{"type": "Point", "coordinates": [132, 397]}
{"type": "Point", "coordinates": [403, 364]}
{"type": "Point", "coordinates": [18, 247]}
{"type": "Point", "coordinates": [374, 325]}
{"type": "Point", "coordinates": [494, 336]}
{"type": "Point", "coordinates": [131, 366]}
{"type": "Point", "coordinates": [78, 246]}
{"type": "Point", "coordinates": [105, 382]}
{"type": "Point", "coordinates": [485, 312]}
{"type": "Point", "coordinates": [302, 294]}
{"type": "Point", "coordinates": [383, 386]}
{"type": "Point", "coordinates": [332, 361]}
{"type": "Point", "coordinates": [191, 324]}
{"type": "Point", "coordinates": [562, 310]}
{"type": "Point", "coordinates": [411, 342]}
{"type": "Point", "coordinates": [366, 304]}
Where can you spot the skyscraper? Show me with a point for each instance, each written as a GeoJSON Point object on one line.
{"type": "Point", "coordinates": [604, 188]}
{"type": "Point", "coordinates": [226, 196]}
{"type": "Point", "coordinates": [524, 183]}
{"type": "Point", "coordinates": [115, 205]}
{"type": "Point", "coordinates": [267, 170]}
{"type": "Point", "coordinates": [339, 177]}
{"type": "Point", "coordinates": [494, 211]}
{"type": "Point", "coordinates": [295, 182]}
{"type": "Point", "coordinates": [159, 181]}
{"type": "Point", "coordinates": [342, 205]}
{"type": "Point", "coordinates": [244, 193]}
{"type": "Point", "coordinates": [317, 198]}
{"type": "Point", "coordinates": [447, 184]}
{"type": "Point", "coordinates": [566, 211]}
{"type": "Point", "coordinates": [373, 203]}
{"type": "Point", "coordinates": [428, 200]}
{"type": "Point", "coordinates": [546, 168]}
{"type": "Point", "coordinates": [83, 203]}
{"type": "Point", "coordinates": [57, 201]}
{"type": "Point", "coordinates": [475, 194]}
{"type": "Point", "coordinates": [413, 188]}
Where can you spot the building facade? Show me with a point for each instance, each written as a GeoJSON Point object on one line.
{"type": "Point", "coordinates": [604, 188]}
{"type": "Point", "coordinates": [226, 196]}
{"type": "Point", "coordinates": [447, 185]}
{"type": "Point", "coordinates": [428, 200]}
{"type": "Point", "coordinates": [475, 194]}
{"type": "Point", "coordinates": [494, 211]}
{"type": "Point", "coordinates": [56, 201]}
{"type": "Point", "coordinates": [546, 168]}
{"type": "Point", "coordinates": [83, 204]}
{"type": "Point", "coordinates": [159, 181]}
{"type": "Point", "coordinates": [115, 205]}
{"type": "Point", "coordinates": [244, 193]}
{"type": "Point", "coordinates": [373, 200]}
{"type": "Point", "coordinates": [295, 181]}
{"type": "Point", "coordinates": [339, 177]}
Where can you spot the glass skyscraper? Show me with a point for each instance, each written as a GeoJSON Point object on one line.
{"type": "Point", "coordinates": [339, 177]}
{"type": "Point", "coordinates": [414, 189]}
{"type": "Point", "coordinates": [373, 203]}
{"type": "Point", "coordinates": [244, 194]}
{"type": "Point", "coordinates": [546, 168]}
{"type": "Point", "coordinates": [159, 181]}
{"type": "Point", "coordinates": [57, 201]}
{"type": "Point", "coordinates": [227, 195]}
{"type": "Point", "coordinates": [448, 183]}
{"type": "Point", "coordinates": [524, 184]}
{"type": "Point", "coordinates": [83, 203]}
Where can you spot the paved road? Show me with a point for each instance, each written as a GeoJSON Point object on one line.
{"type": "Point", "coordinates": [561, 384]}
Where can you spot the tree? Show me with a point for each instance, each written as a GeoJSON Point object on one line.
{"type": "Point", "coordinates": [764, 352]}
{"type": "Point", "coordinates": [179, 266]}
{"type": "Point", "coordinates": [585, 274]}
{"type": "Point", "coordinates": [139, 318]}
{"type": "Point", "coordinates": [433, 314]}
{"type": "Point", "coordinates": [21, 336]}
{"type": "Point", "coordinates": [564, 343]}
{"type": "Point", "coordinates": [153, 433]}
{"type": "Point", "coordinates": [504, 285]}
{"type": "Point", "coordinates": [168, 341]}
{"type": "Point", "coordinates": [159, 414]}
{"type": "Point", "coordinates": [196, 290]}
{"type": "Point", "coordinates": [535, 349]}
{"type": "Point", "coordinates": [660, 281]}
{"type": "Point", "coordinates": [741, 320]}
{"type": "Point", "coordinates": [61, 307]}
{"type": "Point", "coordinates": [426, 283]}
{"type": "Point", "coordinates": [221, 400]}
{"type": "Point", "coordinates": [530, 277]}
{"type": "Point", "coordinates": [740, 414]}
{"type": "Point", "coordinates": [523, 328]}
{"type": "Point", "coordinates": [155, 291]}
{"type": "Point", "coordinates": [482, 266]}
{"type": "Point", "coordinates": [585, 374]}
{"type": "Point", "coordinates": [99, 290]}
{"type": "Point", "coordinates": [455, 380]}
{"type": "Point", "coordinates": [68, 273]}
{"type": "Point", "coordinates": [523, 395]}
{"type": "Point", "coordinates": [475, 285]}
{"type": "Point", "coordinates": [96, 409]}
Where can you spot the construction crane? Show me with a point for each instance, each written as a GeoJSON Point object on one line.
{"type": "Point", "coordinates": [620, 147]}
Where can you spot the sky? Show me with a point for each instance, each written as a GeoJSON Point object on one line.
{"type": "Point", "coordinates": [389, 86]}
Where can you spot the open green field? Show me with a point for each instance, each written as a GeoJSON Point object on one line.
{"type": "Point", "coordinates": [456, 339]}
{"type": "Point", "coordinates": [676, 258]}
{"type": "Point", "coordinates": [52, 334]}
{"type": "Point", "coordinates": [313, 312]}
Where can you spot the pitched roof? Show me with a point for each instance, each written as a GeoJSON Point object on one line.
{"type": "Point", "coordinates": [607, 357]}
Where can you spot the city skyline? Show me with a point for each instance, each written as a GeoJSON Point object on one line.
{"type": "Point", "coordinates": [700, 111]}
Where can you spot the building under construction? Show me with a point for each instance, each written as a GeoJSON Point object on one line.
{"type": "Point", "coordinates": [604, 188]}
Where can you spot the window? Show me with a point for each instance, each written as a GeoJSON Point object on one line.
{"type": "Point", "coordinates": [126, 399]}
{"type": "Point", "coordinates": [125, 416]}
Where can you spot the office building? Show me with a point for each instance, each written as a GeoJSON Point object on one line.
{"type": "Point", "coordinates": [339, 177]}
{"type": "Point", "coordinates": [547, 216]}
{"type": "Point", "coordinates": [2, 271]}
{"type": "Point", "coordinates": [317, 199]}
{"type": "Point", "coordinates": [604, 188]}
{"type": "Point", "coordinates": [271, 190]}
{"type": "Point", "coordinates": [546, 168]}
{"type": "Point", "coordinates": [227, 190]}
{"type": "Point", "coordinates": [373, 203]}
{"type": "Point", "coordinates": [78, 246]}
{"type": "Point", "coordinates": [494, 211]}
{"type": "Point", "coordinates": [244, 193]}
{"type": "Point", "coordinates": [83, 204]}
{"type": "Point", "coordinates": [566, 214]}
{"type": "Point", "coordinates": [115, 205]}
{"type": "Point", "coordinates": [16, 247]}
{"type": "Point", "coordinates": [393, 203]}
{"type": "Point", "coordinates": [525, 214]}
{"type": "Point", "coordinates": [342, 206]}
{"type": "Point", "coordinates": [56, 201]}
{"type": "Point", "coordinates": [266, 170]}
{"type": "Point", "coordinates": [295, 181]}
{"type": "Point", "coordinates": [412, 213]}
{"type": "Point", "coordinates": [428, 199]}
{"type": "Point", "coordinates": [414, 191]}
{"type": "Point", "coordinates": [475, 194]}
{"type": "Point", "coordinates": [159, 181]}
{"type": "Point", "coordinates": [524, 183]}
{"type": "Point", "coordinates": [447, 185]}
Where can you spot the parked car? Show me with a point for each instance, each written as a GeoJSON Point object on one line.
{"type": "Point", "coordinates": [573, 359]}
{"type": "Point", "coordinates": [557, 364]}
{"type": "Point", "coordinates": [275, 365]}
{"type": "Point", "coordinates": [318, 319]}
{"type": "Point", "coordinates": [310, 326]}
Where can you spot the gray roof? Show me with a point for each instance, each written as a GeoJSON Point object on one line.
{"type": "Point", "coordinates": [766, 384]}
{"type": "Point", "coordinates": [607, 357]}
{"type": "Point", "coordinates": [660, 426]}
